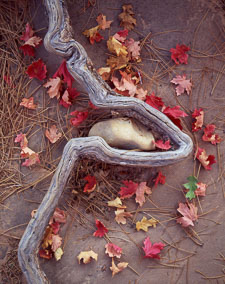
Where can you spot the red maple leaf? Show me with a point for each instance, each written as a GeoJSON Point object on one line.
{"type": "Point", "coordinates": [27, 50]}
{"type": "Point", "coordinates": [45, 253]}
{"type": "Point", "coordinates": [37, 70]}
{"type": "Point", "coordinates": [91, 185]}
{"type": "Point", "coordinates": [91, 105]}
{"type": "Point", "coordinates": [210, 136]}
{"type": "Point", "coordinates": [129, 190]}
{"type": "Point", "coordinates": [159, 179]}
{"type": "Point", "coordinates": [68, 97]}
{"type": "Point", "coordinates": [174, 112]}
{"type": "Point", "coordinates": [28, 33]}
{"type": "Point", "coordinates": [154, 101]}
{"type": "Point", "coordinates": [205, 160]}
{"type": "Point", "coordinates": [101, 231]}
{"type": "Point", "coordinates": [113, 250]}
{"type": "Point", "coordinates": [55, 227]}
{"type": "Point", "coordinates": [59, 215]}
{"type": "Point", "coordinates": [96, 37]}
{"type": "Point", "coordinates": [121, 35]}
{"type": "Point", "coordinates": [152, 250]}
{"type": "Point", "coordinates": [79, 117]}
{"type": "Point", "coordinates": [163, 145]}
{"type": "Point", "coordinates": [189, 212]}
{"type": "Point", "coordinates": [198, 115]}
{"type": "Point", "coordinates": [178, 54]}
{"type": "Point", "coordinates": [64, 74]}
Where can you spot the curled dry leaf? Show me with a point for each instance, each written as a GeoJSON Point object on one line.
{"type": "Point", "coordinates": [178, 54]}
{"type": "Point", "coordinates": [45, 253]}
{"type": "Point", "coordinates": [87, 256]}
{"type": "Point", "coordinates": [116, 203]}
{"type": "Point", "coordinates": [152, 250]}
{"type": "Point", "coordinates": [144, 224]}
{"type": "Point", "coordinates": [140, 193]}
{"type": "Point", "coordinates": [59, 215]}
{"type": "Point", "coordinates": [28, 103]}
{"type": "Point", "coordinates": [127, 17]}
{"type": "Point", "coordinates": [101, 229]}
{"type": "Point", "coordinates": [116, 47]}
{"type": "Point", "coordinates": [116, 269]}
{"type": "Point", "coordinates": [58, 254]}
{"type": "Point", "coordinates": [198, 115]}
{"type": "Point", "coordinates": [210, 136]}
{"type": "Point", "coordinates": [53, 134]}
{"type": "Point", "coordinates": [204, 159]}
{"type": "Point", "coordinates": [189, 212]}
{"type": "Point", "coordinates": [183, 84]}
{"type": "Point", "coordinates": [56, 242]}
{"type": "Point", "coordinates": [159, 179]}
{"type": "Point", "coordinates": [113, 250]}
{"type": "Point", "coordinates": [91, 183]}
{"type": "Point", "coordinates": [121, 216]}
{"type": "Point", "coordinates": [37, 69]}
{"type": "Point", "coordinates": [103, 24]}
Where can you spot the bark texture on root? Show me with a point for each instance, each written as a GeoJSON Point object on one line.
{"type": "Point", "coordinates": [59, 41]}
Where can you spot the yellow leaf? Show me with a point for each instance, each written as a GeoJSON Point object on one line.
{"type": "Point", "coordinates": [117, 62]}
{"type": "Point", "coordinates": [87, 256]}
{"type": "Point", "coordinates": [116, 203]}
{"type": "Point", "coordinates": [58, 254]}
{"type": "Point", "coordinates": [116, 47]}
{"type": "Point", "coordinates": [144, 224]}
{"type": "Point", "coordinates": [91, 32]}
{"type": "Point", "coordinates": [116, 269]}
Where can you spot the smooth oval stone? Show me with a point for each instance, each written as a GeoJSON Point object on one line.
{"type": "Point", "coordinates": [124, 133]}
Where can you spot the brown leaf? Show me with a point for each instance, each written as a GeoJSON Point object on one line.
{"type": "Point", "coordinates": [121, 216]}
{"type": "Point", "coordinates": [126, 17]}
{"type": "Point", "coordinates": [52, 134]}
{"type": "Point", "coordinates": [87, 256]}
{"type": "Point", "coordinates": [54, 84]}
{"type": "Point", "coordinates": [140, 193]}
{"type": "Point", "coordinates": [103, 24]}
{"type": "Point", "coordinates": [116, 269]}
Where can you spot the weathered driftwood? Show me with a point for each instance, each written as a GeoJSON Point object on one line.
{"type": "Point", "coordinates": [59, 40]}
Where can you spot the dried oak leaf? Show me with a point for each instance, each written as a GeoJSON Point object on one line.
{"type": "Point", "coordinates": [93, 35]}
{"type": "Point", "coordinates": [129, 190]}
{"type": "Point", "coordinates": [113, 250]}
{"type": "Point", "coordinates": [58, 254]}
{"type": "Point", "coordinates": [210, 136]}
{"type": "Point", "coordinates": [178, 54]}
{"type": "Point", "coordinates": [116, 269]}
{"type": "Point", "coordinates": [91, 183]}
{"type": "Point", "coordinates": [63, 73]}
{"type": "Point", "coordinates": [53, 134]}
{"type": "Point", "coordinates": [163, 145]}
{"type": "Point", "coordinates": [116, 203]}
{"type": "Point", "coordinates": [101, 229]}
{"type": "Point", "coordinates": [103, 24]}
{"type": "Point", "coordinates": [152, 250]}
{"type": "Point", "coordinates": [121, 35]}
{"type": "Point", "coordinates": [56, 242]}
{"type": "Point", "coordinates": [183, 84]}
{"type": "Point", "coordinates": [87, 256]}
{"type": "Point", "coordinates": [140, 193]}
{"type": "Point", "coordinates": [189, 212]}
{"type": "Point", "coordinates": [28, 103]}
{"type": "Point", "coordinates": [205, 160]}
{"type": "Point", "coordinates": [126, 17]}
{"type": "Point", "coordinates": [37, 70]}
{"type": "Point", "coordinates": [154, 101]}
{"type": "Point", "coordinates": [198, 115]}
{"type": "Point", "coordinates": [121, 216]}
{"type": "Point", "coordinates": [116, 47]}
{"type": "Point", "coordinates": [144, 224]}
{"type": "Point", "coordinates": [159, 179]}
{"type": "Point", "coordinates": [79, 117]}
{"type": "Point", "coordinates": [59, 215]}
{"type": "Point", "coordinates": [117, 62]}
{"type": "Point", "coordinates": [201, 189]}
{"type": "Point", "coordinates": [133, 48]}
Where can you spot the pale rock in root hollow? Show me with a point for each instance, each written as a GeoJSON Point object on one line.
{"type": "Point", "coordinates": [124, 133]}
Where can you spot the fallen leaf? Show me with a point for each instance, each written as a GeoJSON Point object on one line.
{"type": "Point", "coordinates": [163, 145]}
{"type": "Point", "coordinates": [32, 159]}
{"type": "Point", "coordinates": [101, 229]}
{"type": "Point", "coordinates": [59, 215]}
{"type": "Point", "coordinates": [198, 115]}
{"type": "Point", "coordinates": [53, 134]}
{"type": "Point", "coordinates": [154, 101]}
{"type": "Point", "coordinates": [79, 117]}
{"type": "Point", "coordinates": [116, 203]}
{"type": "Point", "coordinates": [159, 179]}
{"type": "Point", "coordinates": [113, 250]}
{"type": "Point", "coordinates": [133, 48]}
{"type": "Point", "coordinates": [28, 103]}
{"type": "Point", "coordinates": [191, 186]}
{"type": "Point", "coordinates": [126, 17]}
{"type": "Point", "coordinates": [63, 73]}
{"type": "Point", "coordinates": [47, 240]}
{"type": "Point", "coordinates": [28, 33]}
{"type": "Point", "coordinates": [21, 138]}
{"type": "Point", "coordinates": [121, 35]}
{"type": "Point", "coordinates": [91, 105]}
{"type": "Point", "coordinates": [174, 112]}
{"type": "Point", "coordinates": [93, 35]}
{"type": "Point", "coordinates": [140, 193]}
{"type": "Point", "coordinates": [210, 136]}
{"type": "Point", "coordinates": [55, 227]}
{"type": "Point", "coordinates": [141, 94]}
{"type": "Point", "coordinates": [126, 83]}
{"type": "Point", "coordinates": [205, 160]}
{"type": "Point", "coordinates": [116, 47]}
{"type": "Point", "coordinates": [27, 50]}
{"type": "Point", "coordinates": [144, 224]}
{"type": "Point", "coordinates": [152, 250]}
{"type": "Point", "coordinates": [129, 190]}
{"type": "Point", "coordinates": [183, 84]}
{"type": "Point", "coordinates": [91, 185]}
{"type": "Point", "coordinates": [87, 256]}
{"type": "Point", "coordinates": [103, 24]}
{"type": "Point", "coordinates": [117, 62]}
{"type": "Point", "coordinates": [37, 70]}
{"type": "Point", "coordinates": [58, 254]}
{"type": "Point", "coordinates": [33, 41]}
{"type": "Point", "coordinates": [116, 269]}
{"type": "Point", "coordinates": [201, 189]}
{"type": "Point", "coordinates": [105, 73]}
{"type": "Point", "coordinates": [44, 253]}
{"type": "Point", "coordinates": [56, 242]}
{"type": "Point", "coordinates": [55, 86]}
{"type": "Point", "coordinates": [179, 54]}
{"type": "Point", "coordinates": [121, 216]}
{"type": "Point", "coordinates": [189, 212]}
